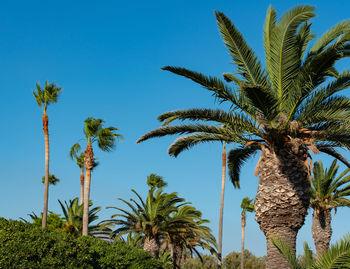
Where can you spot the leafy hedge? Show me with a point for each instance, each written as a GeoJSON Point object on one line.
{"type": "Point", "coordinates": [23, 245]}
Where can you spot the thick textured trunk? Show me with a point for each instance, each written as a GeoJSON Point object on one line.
{"type": "Point", "coordinates": [321, 230]}
{"type": "Point", "coordinates": [88, 160]}
{"type": "Point", "coordinates": [46, 182]}
{"type": "Point", "coordinates": [177, 256]}
{"type": "Point", "coordinates": [223, 177]}
{"type": "Point", "coordinates": [81, 187]}
{"type": "Point", "coordinates": [283, 198]}
{"type": "Point", "coordinates": [151, 245]}
{"type": "Point", "coordinates": [242, 248]}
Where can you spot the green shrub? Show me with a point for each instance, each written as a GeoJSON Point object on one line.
{"type": "Point", "coordinates": [24, 245]}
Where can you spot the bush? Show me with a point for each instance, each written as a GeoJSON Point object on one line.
{"type": "Point", "coordinates": [24, 245]}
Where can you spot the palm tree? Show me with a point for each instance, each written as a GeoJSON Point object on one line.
{"type": "Point", "coordinates": [328, 191]}
{"type": "Point", "coordinates": [247, 206]}
{"type": "Point", "coordinates": [146, 217]}
{"type": "Point", "coordinates": [337, 256]}
{"type": "Point", "coordinates": [223, 180]}
{"type": "Point", "coordinates": [79, 158]}
{"type": "Point", "coordinates": [73, 217]}
{"type": "Point", "coordinates": [44, 97]}
{"type": "Point", "coordinates": [284, 111]}
{"type": "Point", "coordinates": [53, 180]}
{"type": "Point", "coordinates": [106, 141]}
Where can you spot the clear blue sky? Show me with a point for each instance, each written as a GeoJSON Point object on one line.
{"type": "Point", "coordinates": [107, 57]}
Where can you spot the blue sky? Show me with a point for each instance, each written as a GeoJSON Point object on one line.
{"type": "Point", "coordinates": [107, 57]}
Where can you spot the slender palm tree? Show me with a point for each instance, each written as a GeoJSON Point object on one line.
{"type": "Point", "coordinates": [286, 110]}
{"type": "Point", "coordinates": [336, 257]}
{"type": "Point", "coordinates": [106, 141]}
{"type": "Point", "coordinates": [328, 191]}
{"type": "Point", "coordinates": [79, 159]}
{"type": "Point", "coordinates": [223, 181]}
{"type": "Point", "coordinates": [45, 97]}
{"type": "Point", "coordinates": [53, 180]}
{"type": "Point", "coordinates": [247, 206]}
{"type": "Point", "coordinates": [147, 217]}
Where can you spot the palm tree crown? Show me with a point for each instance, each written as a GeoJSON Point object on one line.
{"type": "Point", "coordinates": [46, 96]}
{"type": "Point", "coordinates": [329, 191]}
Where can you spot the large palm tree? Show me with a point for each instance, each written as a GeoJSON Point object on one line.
{"type": "Point", "coordinates": [44, 97]}
{"type": "Point", "coordinates": [247, 206]}
{"type": "Point", "coordinates": [291, 107]}
{"type": "Point", "coordinates": [328, 191]}
{"type": "Point", "coordinates": [106, 141]}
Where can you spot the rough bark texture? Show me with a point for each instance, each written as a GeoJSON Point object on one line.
{"type": "Point", "coordinates": [151, 245]}
{"type": "Point", "coordinates": [223, 179]}
{"type": "Point", "coordinates": [88, 160]}
{"type": "Point", "coordinates": [177, 252]}
{"type": "Point", "coordinates": [321, 230]}
{"type": "Point", "coordinates": [242, 248]}
{"type": "Point", "coordinates": [283, 198]}
{"type": "Point", "coordinates": [82, 187]}
{"type": "Point", "coordinates": [46, 182]}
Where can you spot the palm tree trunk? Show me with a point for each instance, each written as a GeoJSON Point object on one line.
{"type": "Point", "coordinates": [283, 198]}
{"type": "Point", "coordinates": [89, 160]}
{"type": "Point", "coordinates": [177, 256]}
{"type": "Point", "coordinates": [81, 187]}
{"type": "Point", "coordinates": [321, 230]}
{"type": "Point", "coordinates": [151, 245]}
{"type": "Point", "coordinates": [223, 179]}
{"type": "Point", "coordinates": [46, 183]}
{"type": "Point", "coordinates": [242, 249]}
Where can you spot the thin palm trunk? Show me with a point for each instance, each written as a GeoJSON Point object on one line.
{"type": "Point", "coordinates": [223, 179]}
{"type": "Point", "coordinates": [46, 183]}
{"type": "Point", "coordinates": [283, 198]}
{"type": "Point", "coordinates": [177, 256]}
{"type": "Point", "coordinates": [321, 230]}
{"type": "Point", "coordinates": [151, 245]}
{"type": "Point", "coordinates": [82, 187]}
{"type": "Point", "coordinates": [88, 159]}
{"type": "Point", "coordinates": [242, 249]}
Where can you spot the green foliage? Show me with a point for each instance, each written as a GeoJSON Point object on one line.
{"type": "Point", "coordinates": [207, 262]}
{"type": "Point", "coordinates": [294, 101]}
{"type": "Point", "coordinates": [233, 261]}
{"type": "Point", "coordinates": [336, 257]}
{"type": "Point", "coordinates": [54, 221]}
{"type": "Point", "coordinates": [46, 96]}
{"type": "Point", "coordinates": [23, 245]}
{"type": "Point", "coordinates": [329, 191]}
{"type": "Point", "coordinates": [53, 180]}
{"type": "Point", "coordinates": [247, 205]}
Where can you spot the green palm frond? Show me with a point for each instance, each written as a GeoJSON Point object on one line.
{"type": "Point", "coordinates": [243, 56]}
{"type": "Point", "coordinates": [247, 205]}
{"type": "Point", "coordinates": [236, 158]}
{"type": "Point", "coordinates": [53, 180]}
{"type": "Point", "coordinates": [46, 96]}
{"type": "Point", "coordinates": [75, 149]}
{"type": "Point", "coordinates": [287, 252]}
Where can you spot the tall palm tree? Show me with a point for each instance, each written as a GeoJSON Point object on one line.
{"type": "Point", "coordinates": [328, 191]}
{"type": "Point", "coordinates": [223, 181]}
{"type": "Point", "coordinates": [106, 141]}
{"type": "Point", "coordinates": [147, 217]}
{"type": "Point", "coordinates": [45, 97]}
{"type": "Point", "coordinates": [247, 206]}
{"type": "Point", "coordinates": [292, 107]}
{"type": "Point", "coordinates": [79, 159]}
{"type": "Point", "coordinates": [53, 180]}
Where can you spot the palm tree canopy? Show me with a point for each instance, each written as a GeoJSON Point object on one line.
{"type": "Point", "coordinates": [295, 100]}
{"type": "Point", "coordinates": [328, 190]}
{"type": "Point", "coordinates": [105, 137]}
{"type": "Point", "coordinates": [46, 96]}
{"type": "Point", "coordinates": [76, 153]}
{"type": "Point", "coordinates": [247, 205]}
{"type": "Point", "coordinates": [53, 180]}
